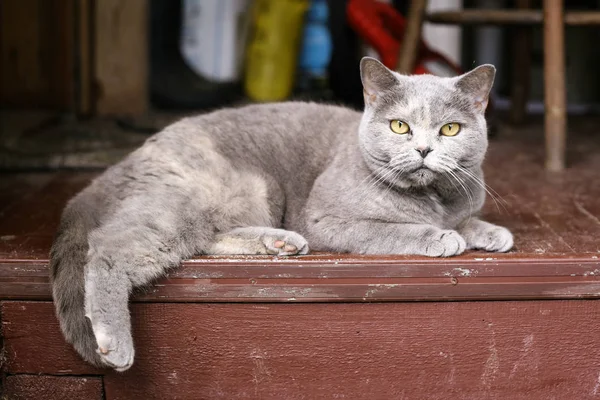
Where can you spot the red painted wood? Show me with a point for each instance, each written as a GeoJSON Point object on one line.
{"type": "Point", "coordinates": [34, 387]}
{"type": "Point", "coordinates": [455, 350]}
{"type": "Point", "coordinates": [34, 344]}
{"type": "Point", "coordinates": [334, 278]}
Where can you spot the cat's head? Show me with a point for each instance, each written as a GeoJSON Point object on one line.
{"type": "Point", "coordinates": [416, 128]}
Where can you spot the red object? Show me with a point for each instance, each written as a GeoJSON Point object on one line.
{"type": "Point", "coordinates": [382, 27]}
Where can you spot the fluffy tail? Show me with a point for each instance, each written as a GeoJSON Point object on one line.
{"type": "Point", "coordinates": [67, 260]}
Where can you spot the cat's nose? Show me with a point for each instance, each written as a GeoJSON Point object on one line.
{"type": "Point", "coordinates": [423, 151]}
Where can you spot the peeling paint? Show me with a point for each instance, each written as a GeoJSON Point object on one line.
{"type": "Point", "coordinates": [375, 288]}
{"type": "Point", "coordinates": [492, 364]}
{"type": "Point", "coordinates": [464, 271]}
{"type": "Point", "coordinates": [525, 353]}
{"type": "Point", "coordinates": [260, 371]}
{"type": "Point", "coordinates": [597, 386]}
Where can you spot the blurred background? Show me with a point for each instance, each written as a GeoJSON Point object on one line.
{"type": "Point", "coordinates": [85, 81]}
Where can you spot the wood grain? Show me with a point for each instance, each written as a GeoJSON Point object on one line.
{"type": "Point", "coordinates": [33, 342]}
{"type": "Point", "coordinates": [460, 350]}
{"type": "Point", "coordinates": [121, 56]}
{"type": "Point", "coordinates": [35, 387]}
{"type": "Point", "coordinates": [343, 278]}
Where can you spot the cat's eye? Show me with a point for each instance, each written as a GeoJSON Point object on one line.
{"type": "Point", "coordinates": [399, 127]}
{"type": "Point", "coordinates": [450, 129]}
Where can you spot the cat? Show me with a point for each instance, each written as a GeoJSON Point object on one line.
{"type": "Point", "coordinates": [403, 177]}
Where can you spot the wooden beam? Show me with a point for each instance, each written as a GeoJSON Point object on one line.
{"type": "Point", "coordinates": [121, 57]}
{"type": "Point", "coordinates": [412, 37]}
{"type": "Point", "coordinates": [554, 85]}
{"type": "Point", "coordinates": [508, 17]}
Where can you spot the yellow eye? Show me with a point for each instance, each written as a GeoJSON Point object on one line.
{"type": "Point", "coordinates": [450, 129]}
{"type": "Point", "coordinates": [399, 127]}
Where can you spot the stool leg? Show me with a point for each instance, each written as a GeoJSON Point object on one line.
{"type": "Point", "coordinates": [554, 85]}
{"type": "Point", "coordinates": [412, 37]}
{"type": "Point", "coordinates": [521, 62]}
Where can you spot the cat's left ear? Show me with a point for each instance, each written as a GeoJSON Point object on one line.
{"type": "Point", "coordinates": [376, 79]}
{"type": "Point", "coordinates": [477, 84]}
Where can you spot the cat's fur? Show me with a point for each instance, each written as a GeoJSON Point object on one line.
{"type": "Point", "coordinates": [269, 179]}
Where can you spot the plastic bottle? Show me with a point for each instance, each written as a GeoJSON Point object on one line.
{"type": "Point", "coordinates": [316, 46]}
{"type": "Point", "coordinates": [273, 50]}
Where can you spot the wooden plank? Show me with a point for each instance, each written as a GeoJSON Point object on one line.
{"type": "Point", "coordinates": [36, 387]}
{"type": "Point", "coordinates": [464, 350]}
{"type": "Point", "coordinates": [121, 56]}
{"type": "Point", "coordinates": [348, 278]}
{"type": "Point", "coordinates": [36, 54]}
{"type": "Point", "coordinates": [555, 96]}
{"type": "Point", "coordinates": [33, 342]}
{"type": "Point", "coordinates": [509, 17]}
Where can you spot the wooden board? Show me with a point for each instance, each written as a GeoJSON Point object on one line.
{"type": "Point", "coordinates": [344, 278]}
{"type": "Point", "coordinates": [461, 350]}
{"type": "Point", "coordinates": [37, 54]}
{"type": "Point", "coordinates": [121, 56]}
{"type": "Point", "coordinates": [35, 387]}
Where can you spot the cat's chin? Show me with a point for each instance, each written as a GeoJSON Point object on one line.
{"type": "Point", "coordinates": [421, 177]}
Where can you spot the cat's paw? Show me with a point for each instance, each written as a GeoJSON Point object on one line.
{"type": "Point", "coordinates": [445, 243]}
{"type": "Point", "coordinates": [115, 349]}
{"type": "Point", "coordinates": [493, 238]}
{"type": "Point", "coordinates": [285, 243]}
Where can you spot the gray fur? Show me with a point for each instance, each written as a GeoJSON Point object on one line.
{"type": "Point", "coordinates": [271, 179]}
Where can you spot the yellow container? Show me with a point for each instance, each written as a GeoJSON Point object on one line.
{"type": "Point", "coordinates": [272, 53]}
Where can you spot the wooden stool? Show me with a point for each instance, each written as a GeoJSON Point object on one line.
{"type": "Point", "coordinates": [553, 18]}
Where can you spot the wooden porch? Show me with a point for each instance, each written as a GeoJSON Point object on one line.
{"type": "Point", "coordinates": [339, 326]}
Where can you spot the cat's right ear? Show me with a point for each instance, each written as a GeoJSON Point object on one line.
{"type": "Point", "coordinates": [376, 79]}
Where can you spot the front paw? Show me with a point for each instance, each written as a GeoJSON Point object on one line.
{"type": "Point", "coordinates": [493, 238]}
{"type": "Point", "coordinates": [445, 243]}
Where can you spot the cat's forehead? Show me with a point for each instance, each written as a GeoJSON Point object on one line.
{"type": "Point", "coordinates": [426, 97]}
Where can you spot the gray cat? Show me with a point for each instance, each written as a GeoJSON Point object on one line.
{"type": "Point", "coordinates": [404, 177]}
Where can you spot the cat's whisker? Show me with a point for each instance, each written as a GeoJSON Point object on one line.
{"type": "Point", "coordinates": [498, 200]}
{"type": "Point", "coordinates": [468, 193]}
{"type": "Point", "coordinates": [398, 171]}
{"type": "Point", "coordinates": [375, 176]}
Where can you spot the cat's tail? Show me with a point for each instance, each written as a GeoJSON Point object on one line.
{"type": "Point", "coordinates": [67, 261]}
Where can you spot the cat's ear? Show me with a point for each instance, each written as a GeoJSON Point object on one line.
{"type": "Point", "coordinates": [376, 79]}
{"type": "Point", "coordinates": [477, 84]}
